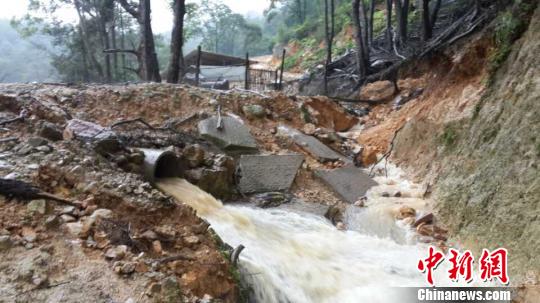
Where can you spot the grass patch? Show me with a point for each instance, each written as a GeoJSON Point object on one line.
{"type": "Point", "coordinates": [509, 27]}
{"type": "Point", "coordinates": [449, 136]}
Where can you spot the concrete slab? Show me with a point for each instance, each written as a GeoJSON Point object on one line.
{"type": "Point", "coordinates": [312, 145]}
{"type": "Point", "coordinates": [233, 137]}
{"type": "Point", "coordinates": [266, 173]}
{"type": "Point", "coordinates": [349, 182]}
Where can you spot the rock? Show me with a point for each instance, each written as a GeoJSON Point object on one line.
{"type": "Point", "coordinates": [44, 148]}
{"type": "Point", "coordinates": [156, 247]}
{"type": "Point", "coordinates": [136, 157]}
{"type": "Point", "coordinates": [341, 226]}
{"type": "Point", "coordinates": [67, 210]}
{"type": "Point", "coordinates": [128, 268]}
{"type": "Point", "coordinates": [405, 212]}
{"type": "Point", "coordinates": [254, 111]}
{"type": "Point", "coordinates": [76, 229]}
{"type": "Point", "coordinates": [171, 291]}
{"type": "Point", "coordinates": [349, 182]}
{"type": "Point", "coordinates": [37, 206]}
{"type": "Point", "coordinates": [191, 240]}
{"type": "Point", "coordinates": [37, 141]}
{"type": "Point", "coordinates": [107, 146]}
{"type": "Point", "coordinates": [397, 194]}
{"type": "Point", "coordinates": [309, 129]}
{"type": "Point", "coordinates": [84, 130]}
{"type": "Point", "coordinates": [408, 221]}
{"type": "Point", "coordinates": [67, 218]}
{"type": "Point", "coordinates": [5, 243]}
{"type": "Point", "coordinates": [117, 252]}
{"type": "Point", "coordinates": [234, 137]}
{"type": "Point", "coordinates": [335, 213]}
{"type": "Point", "coordinates": [149, 235]}
{"type": "Point", "coordinates": [425, 229]}
{"type": "Point", "coordinates": [52, 222]}
{"type": "Point", "coordinates": [267, 173]}
{"type": "Point", "coordinates": [50, 131]}
{"type": "Point", "coordinates": [360, 203]}
{"type": "Point", "coordinates": [217, 181]}
{"type": "Point", "coordinates": [271, 199]}
{"type": "Point", "coordinates": [195, 155]}
{"type": "Point", "coordinates": [329, 114]}
{"type": "Point", "coordinates": [367, 156]}
{"type": "Point", "coordinates": [385, 194]}
{"type": "Point", "coordinates": [427, 219]}
{"type": "Point", "coordinates": [102, 213]}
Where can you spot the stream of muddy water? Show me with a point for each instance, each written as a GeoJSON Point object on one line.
{"type": "Point", "coordinates": [297, 256]}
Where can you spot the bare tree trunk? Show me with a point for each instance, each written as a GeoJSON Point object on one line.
{"type": "Point", "coordinates": [176, 64]}
{"type": "Point", "coordinates": [148, 62]}
{"type": "Point", "coordinates": [113, 45]}
{"type": "Point", "coordinates": [106, 45]}
{"type": "Point", "coordinates": [371, 17]}
{"type": "Point", "coordinates": [389, 24]}
{"type": "Point", "coordinates": [329, 33]}
{"type": "Point", "coordinates": [84, 37]}
{"type": "Point", "coordinates": [435, 13]}
{"type": "Point", "coordinates": [364, 19]}
{"type": "Point", "coordinates": [402, 13]}
{"type": "Point", "coordinates": [427, 32]}
{"type": "Point", "coordinates": [361, 61]}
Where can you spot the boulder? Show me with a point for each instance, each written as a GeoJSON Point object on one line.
{"type": "Point", "coordinates": [37, 141]}
{"type": "Point", "coordinates": [218, 181]}
{"type": "Point", "coordinates": [335, 213]}
{"type": "Point", "coordinates": [195, 155]}
{"type": "Point", "coordinates": [5, 243]}
{"type": "Point", "coordinates": [271, 199]}
{"type": "Point", "coordinates": [50, 131]}
{"type": "Point", "coordinates": [254, 111]}
{"type": "Point", "coordinates": [232, 137]}
{"type": "Point", "coordinates": [405, 212]}
{"type": "Point", "coordinates": [37, 207]}
{"type": "Point", "coordinates": [427, 219]}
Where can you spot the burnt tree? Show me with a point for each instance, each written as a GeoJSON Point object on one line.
{"type": "Point", "coordinates": [146, 54]}
{"type": "Point", "coordinates": [329, 30]}
{"type": "Point", "coordinates": [176, 64]}
{"type": "Point", "coordinates": [362, 54]}
{"type": "Point", "coordinates": [389, 31]}
{"type": "Point", "coordinates": [429, 18]}
{"type": "Point", "coordinates": [402, 15]}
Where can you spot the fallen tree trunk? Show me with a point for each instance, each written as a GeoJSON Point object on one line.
{"type": "Point", "coordinates": [25, 191]}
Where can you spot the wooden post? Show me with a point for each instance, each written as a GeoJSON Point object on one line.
{"type": "Point", "coordinates": [282, 68]}
{"type": "Point", "coordinates": [246, 80]}
{"type": "Point", "coordinates": [198, 72]}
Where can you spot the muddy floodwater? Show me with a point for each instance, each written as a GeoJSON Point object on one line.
{"type": "Point", "coordinates": [297, 256]}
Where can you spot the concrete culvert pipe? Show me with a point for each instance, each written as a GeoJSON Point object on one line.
{"type": "Point", "coordinates": [160, 164]}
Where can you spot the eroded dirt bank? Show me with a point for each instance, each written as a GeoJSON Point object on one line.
{"type": "Point", "coordinates": [475, 141]}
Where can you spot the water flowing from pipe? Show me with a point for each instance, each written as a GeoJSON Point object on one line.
{"type": "Point", "coordinates": [293, 256]}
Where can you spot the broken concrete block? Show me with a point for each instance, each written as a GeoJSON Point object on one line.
{"type": "Point", "coordinates": [349, 182]}
{"type": "Point", "coordinates": [233, 136]}
{"type": "Point", "coordinates": [267, 173]}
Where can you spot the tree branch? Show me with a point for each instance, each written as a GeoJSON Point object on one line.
{"type": "Point", "coordinates": [112, 51]}
{"type": "Point", "coordinates": [129, 8]}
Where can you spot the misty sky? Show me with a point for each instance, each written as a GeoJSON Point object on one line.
{"type": "Point", "coordinates": [161, 14]}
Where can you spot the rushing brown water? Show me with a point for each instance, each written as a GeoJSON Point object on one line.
{"type": "Point", "coordinates": [292, 256]}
